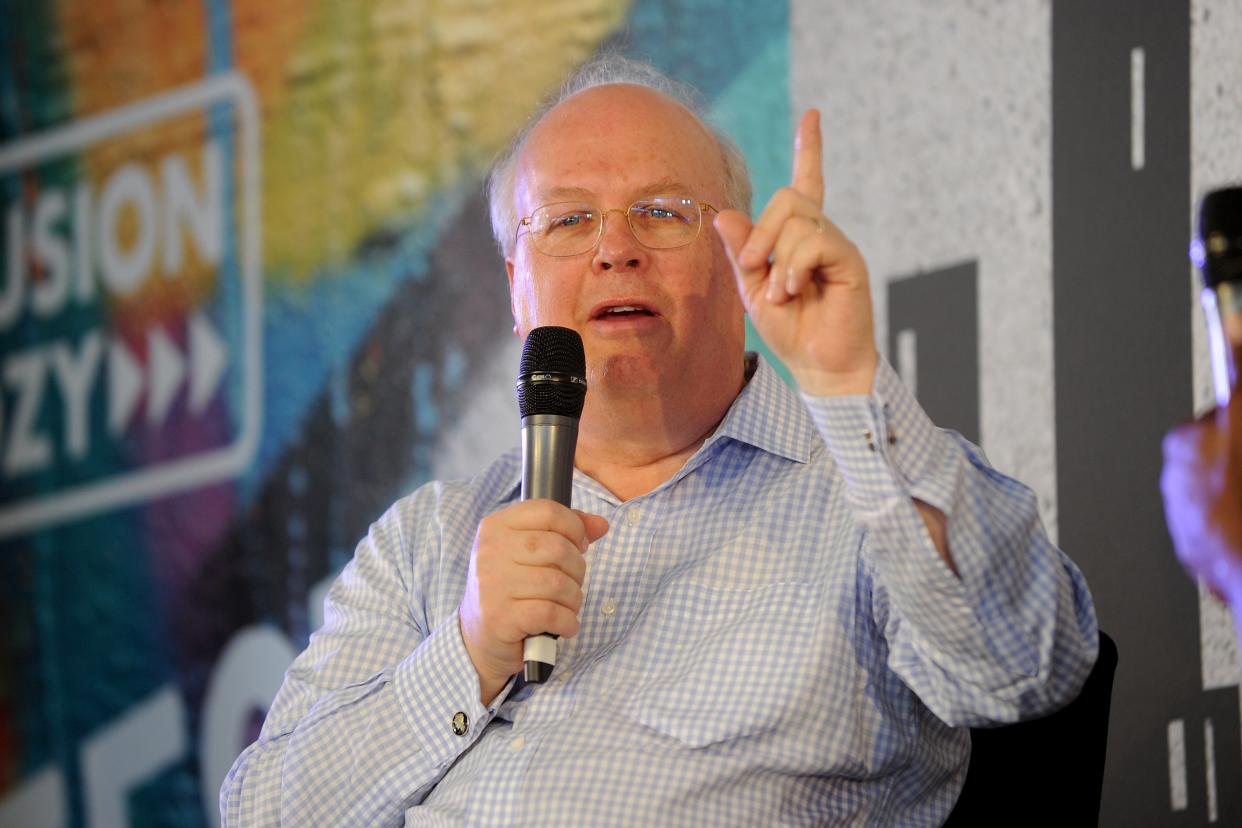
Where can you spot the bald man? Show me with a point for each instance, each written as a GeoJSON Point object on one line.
{"type": "Point", "coordinates": [773, 608]}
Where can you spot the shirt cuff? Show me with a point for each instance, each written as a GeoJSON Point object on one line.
{"type": "Point", "coordinates": [438, 688]}
{"type": "Point", "coordinates": [885, 444]}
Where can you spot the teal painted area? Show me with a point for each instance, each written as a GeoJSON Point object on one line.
{"type": "Point", "coordinates": [310, 334]}
{"type": "Point", "coordinates": [34, 82]}
{"type": "Point", "coordinates": [83, 634]}
{"type": "Point", "coordinates": [96, 644]}
{"type": "Point", "coordinates": [706, 43]}
{"type": "Point", "coordinates": [222, 119]}
{"type": "Point", "coordinates": [754, 109]}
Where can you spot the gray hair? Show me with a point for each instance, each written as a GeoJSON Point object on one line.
{"type": "Point", "coordinates": [606, 70]}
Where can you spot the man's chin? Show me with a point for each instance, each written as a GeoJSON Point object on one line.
{"type": "Point", "coordinates": [627, 372]}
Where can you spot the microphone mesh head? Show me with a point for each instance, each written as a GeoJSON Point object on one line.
{"type": "Point", "coordinates": [1220, 233]}
{"type": "Point", "coordinates": [552, 373]}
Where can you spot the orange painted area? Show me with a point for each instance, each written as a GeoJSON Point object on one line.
{"type": "Point", "coordinates": [120, 51]}
{"type": "Point", "coordinates": [369, 110]}
{"type": "Point", "coordinates": [390, 103]}
{"type": "Point", "coordinates": [265, 35]}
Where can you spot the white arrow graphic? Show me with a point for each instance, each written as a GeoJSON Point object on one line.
{"type": "Point", "coordinates": [208, 358]}
{"type": "Point", "coordinates": [165, 371]}
{"type": "Point", "coordinates": [124, 386]}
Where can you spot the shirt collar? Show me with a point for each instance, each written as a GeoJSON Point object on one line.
{"type": "Point", "coordinates": [767, 414]}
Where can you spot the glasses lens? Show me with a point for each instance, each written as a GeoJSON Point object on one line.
{"type": "Point", "coordinates": [564, 229]}
{"type": "Point", "coordinates": [665, 221]}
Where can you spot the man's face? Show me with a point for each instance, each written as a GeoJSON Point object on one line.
{"type": "Point", "coordinates": [609, 147]}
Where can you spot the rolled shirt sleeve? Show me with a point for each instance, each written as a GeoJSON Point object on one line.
{"type": "Point", "coordinates": [1014, 634]}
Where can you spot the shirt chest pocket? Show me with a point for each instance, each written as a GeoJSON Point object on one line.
{"type": "Point", "coordinates": [722, 664]}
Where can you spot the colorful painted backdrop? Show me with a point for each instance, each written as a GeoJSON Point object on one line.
{"type": "Point", "coordinates": [249, 297]}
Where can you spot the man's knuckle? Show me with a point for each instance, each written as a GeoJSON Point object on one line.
{"type": "Point", "coordinates": [550, 580]}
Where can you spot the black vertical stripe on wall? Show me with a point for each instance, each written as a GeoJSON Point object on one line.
{"type": "Point", "coordinates": [941, 307]}
{"type": "Point", "coordinates": [1123, 376]}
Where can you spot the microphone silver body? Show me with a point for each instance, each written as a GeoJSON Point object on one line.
{"type": "Point", "coordinates": [548, 442]}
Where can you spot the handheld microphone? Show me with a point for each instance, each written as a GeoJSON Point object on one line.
{"type": "Point", "coordinates": [1218, 254]}
{"type": "Point", "coordinates": [551, 388]}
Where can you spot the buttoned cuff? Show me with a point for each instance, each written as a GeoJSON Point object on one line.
{"type": "Point", "coordinates": [889, 451]}
{"type": "Point", "coordinates": [885, 444]}
{"type": "Point", "coordinates": [438, 688]}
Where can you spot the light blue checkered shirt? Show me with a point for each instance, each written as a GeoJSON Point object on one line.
{"type": "Point", "coordinates": [768, 638]}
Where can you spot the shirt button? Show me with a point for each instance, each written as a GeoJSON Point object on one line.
{"type": "Point", "coordinates": [633, 516]}
{"type": "Point", "coordinates": [609, 608]}
{"type": "Point", "coordinates": [517, 743]}
{"type": "Point", "coordinates": [461, 723]}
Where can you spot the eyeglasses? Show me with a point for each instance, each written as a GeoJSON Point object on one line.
{"type": "Point", "coordinates": [568, 228]}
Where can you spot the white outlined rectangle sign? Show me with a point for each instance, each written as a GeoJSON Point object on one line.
{"type": "Point", "coordinates": [187, 471]}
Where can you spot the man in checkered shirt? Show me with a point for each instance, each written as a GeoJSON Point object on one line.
{"type": "Point", "coordinates": [775, 608]}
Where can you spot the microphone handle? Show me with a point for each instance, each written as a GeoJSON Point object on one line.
{"type": "Point", "coordinates": [548, 443]}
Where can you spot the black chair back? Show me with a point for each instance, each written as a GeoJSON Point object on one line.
{"type": "Point", "coordinates": [1047, 771]}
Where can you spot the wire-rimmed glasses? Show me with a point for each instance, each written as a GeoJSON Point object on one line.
{"type": "Point", "coordinates": [568, 228]}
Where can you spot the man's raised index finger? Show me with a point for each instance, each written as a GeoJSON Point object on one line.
{"type": "Point", "coordinates": [808, 165]}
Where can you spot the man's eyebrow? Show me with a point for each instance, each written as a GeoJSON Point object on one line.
{"type": "Point", "coordinates": [663, 186]}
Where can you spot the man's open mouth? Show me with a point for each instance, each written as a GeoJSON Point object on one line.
{"type": "Point", "coordinates": [623, 311]}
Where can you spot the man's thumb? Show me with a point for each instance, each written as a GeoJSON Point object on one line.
{"type": "Point", "coordinates": [595, 525]}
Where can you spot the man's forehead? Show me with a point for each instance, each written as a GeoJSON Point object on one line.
{"type": "Point", "coordinates": [618, 136]}
{"type": "Point", "coordinates": [623, 101]}
{"type": "Point", "coordinates": [598, 113]}
{"type": "Point", "coordinates": [659, 186]}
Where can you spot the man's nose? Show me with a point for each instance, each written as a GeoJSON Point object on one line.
{"type": "Point", "coordinates": [617, 246]}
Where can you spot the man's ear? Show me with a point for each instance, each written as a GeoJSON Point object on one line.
{"type": "Point", "coordinates": [512, 304]}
